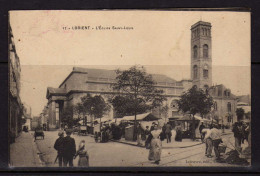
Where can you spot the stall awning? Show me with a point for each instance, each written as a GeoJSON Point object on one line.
{"type": "Point", "coordinates": [188, 117]}
{"type": "Point", "coordinates": [141, 117]}
{"type": "Point", "coordinates": [104, 119]}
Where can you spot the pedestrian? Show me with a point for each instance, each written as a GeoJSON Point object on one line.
{"type": "Point", "coordinates": [152, 127]}
{"type": "Point", "coordinates": [238, 134]}
{"type": "Point", "coordinates": [163, 134]}
{"type": "Point", "coordinates": [178, 136]}
{"type": "Point", "coordinates": [168, 132]}
{"type": "Point", "coordinates": [215, 135]}
{"type": "Point", "coordinates": [202, 126]}
{"type": "Point", "coordinates": [148, 138]}
{"type": "Point", "coordinates": [146, 132]}
{"type": "Point", "coordinates": [156, 145]}
{"type": "Point", "coordinates": [140, 133]}
{"type": "Point", "coordinates": [83, 155]}
{"type": "Point", "coordinates": [244, 132]}
{"type": "Point", "coordinates": [69, 149]}
{"type": "Point", "coordinates": [58, 145]}
{"type": "Point", "coordinates": [208, 141]}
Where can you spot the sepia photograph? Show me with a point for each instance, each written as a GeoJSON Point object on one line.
{"type": "Point", "coordinates": [129, 88]}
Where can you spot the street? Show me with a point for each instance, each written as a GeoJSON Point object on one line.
{"type": "Point", "coordinates": [114, 154]}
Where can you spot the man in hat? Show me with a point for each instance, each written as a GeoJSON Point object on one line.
{"type": "Point", "coordinates": [69, 149]}
{"type": "Point", "coordinates": [59, 147]}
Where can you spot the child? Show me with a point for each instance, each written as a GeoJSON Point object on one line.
{"type": "Point", "coordinates": [83, 155]}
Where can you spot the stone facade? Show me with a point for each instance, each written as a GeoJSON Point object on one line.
{"type": "Point", "coordinates": [82, 81]}
{"type": "Point", "coordinates": [201, 58]}
{"type": "Point", "coordinates": [15, 104]}
{"type": "Point", "coordinates": [225, 104]}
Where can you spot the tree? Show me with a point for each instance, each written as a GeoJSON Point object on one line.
{"type": "Point", "coordinates": [81, 112]}
{"type": "Point", "coordinates": [137, 88]}
{"type": "Point", "coordinates": [67, 116]}
{"type": "Point", "coordinates": [240, 113]}
{"type": "Point", "coordinates": [95, 106]}
{"type": "Point", "coordinates": [124, 105]}
{"type": "Point", "coordinates": [195, 101]}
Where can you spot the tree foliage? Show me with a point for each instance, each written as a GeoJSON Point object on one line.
{"type": "Point", "coordinates": [95, 106]}
{"type": "Point", "coordinates": [67, 116]}
{"type": "Point", "coordinates": [136, 92]}
{"type": "Point", "coordinates": [195, 101]}
{"type": "Point", "coordinates": [137, 89]}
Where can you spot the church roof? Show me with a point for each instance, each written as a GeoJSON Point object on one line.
{"type": "Point", "coordinates": [98, 73]}
{"type": "Point", "coordinates": [111, 75]}
{"type": "Point", "coordinates": [162, 78]}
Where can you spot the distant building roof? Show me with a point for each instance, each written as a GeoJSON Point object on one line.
{"type": "Point", "coordinates": [222, 87]}
{"type": "Point", "coordinates": [244, 99]}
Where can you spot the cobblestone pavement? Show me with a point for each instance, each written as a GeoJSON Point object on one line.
{"type": "Point", "coordinates": [113, 154]}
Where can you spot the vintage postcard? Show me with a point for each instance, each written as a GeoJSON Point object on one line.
{"type": "Point", "coordinates": [129, 88]}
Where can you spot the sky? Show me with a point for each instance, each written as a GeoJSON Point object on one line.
{"type": "Point", "coordinates": [160, 40]}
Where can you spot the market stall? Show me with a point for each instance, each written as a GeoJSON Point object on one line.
{"type": "Point", "coordinates": [145, 119]}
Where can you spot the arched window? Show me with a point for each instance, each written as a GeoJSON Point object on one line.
{"type": "Point", "coordinates": [195, 51]}
{"type": "Point", "coordinates": [205, 51]}
{"type": "Point", "coordinates": [205, 71]}
{"type": "Point", "coordinates": [229, 107]}
{"type": "Point", "coordinates": [195, 71]}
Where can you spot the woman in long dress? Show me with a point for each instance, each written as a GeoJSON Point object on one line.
{"type": "Point", "coordinates": [83, 155]}
{"type": "Point", "coordinates": [156, 145]}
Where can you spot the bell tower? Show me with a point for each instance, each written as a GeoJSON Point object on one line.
{"type": "Point", "coordinates": [201, 59]}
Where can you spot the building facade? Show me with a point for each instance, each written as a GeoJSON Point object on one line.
{"type": "Point", "coordinates": [82, 81]}
{"type": "Point", "coordinates": [15, 104]}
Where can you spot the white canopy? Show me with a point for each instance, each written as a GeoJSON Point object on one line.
{"type": "Point", "coordinates": [146, 116]}
{"type": "Point", "coordinates": [103, 119]}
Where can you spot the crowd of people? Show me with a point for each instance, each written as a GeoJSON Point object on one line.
{"type": "Point", "coordinates": [212, 137]}
{"type": "Point", "coordinates": [150, 137]}
{"type": "Point", "coordinates": [241, 132]}
{"type": "Point", "coordinates": [66, 150]}
{"type": "Point", "coordinates": [108, 131]}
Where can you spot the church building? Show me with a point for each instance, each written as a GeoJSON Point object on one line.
{"type": "Point", "coordinates": [82, 81]}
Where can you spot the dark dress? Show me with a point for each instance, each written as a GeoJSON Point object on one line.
{"type": "Point", "coordinates": [178, 136]}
